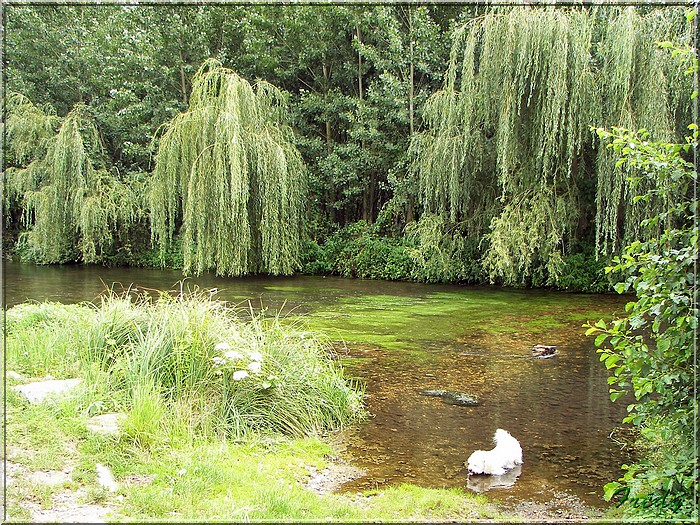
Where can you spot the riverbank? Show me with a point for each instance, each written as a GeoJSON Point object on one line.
{"type": "Point", "coordinates": [53, 476]}
{"type": "Point", "coordinates": [62, 467]}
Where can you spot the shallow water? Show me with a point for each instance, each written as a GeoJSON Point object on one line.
{"type": "Point", "coordinates": [399, 338]}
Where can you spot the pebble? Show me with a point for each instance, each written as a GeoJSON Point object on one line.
{"type": "Point", "coordinates": [105, 478]}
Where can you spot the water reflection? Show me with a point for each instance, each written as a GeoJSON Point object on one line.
{"type": "Point", "coordinates": [399, 338]}
{"type": "Point", "coordinates": [482, 483]}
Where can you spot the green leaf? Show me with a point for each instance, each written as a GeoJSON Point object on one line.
{"type": "Point", "coordinates": [612, 489]}
{"type": "Point", "coordinates": [601, 339]}
{"type": "Point", "coordinates": [611, 361]}
{"type": "Point", "coordinates": [617, 394]}
{"type": "Point", "coordinates": [592, 330]}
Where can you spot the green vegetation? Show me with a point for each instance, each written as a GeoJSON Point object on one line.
{"type": "Point", "coordinates": [70, 200]}
{"type": "Point", "coordinates": [225, 416]}
{"type": "Point", "coordinates": [188, 364]}
{"type": "Point", "coordinates": [652, 353]}
{"type": "Point", "coordinates": [131, 140]}
{"type": "Point", "coordinates": [367, 158]}
{"type": "Point", "coordinates": [507, 156]}
{"type": "Point", "coordinates": [227, 170]}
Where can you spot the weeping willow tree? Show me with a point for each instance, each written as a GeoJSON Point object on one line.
{"type": "Point", "coordinates": [28, 132]}
{"type": "Point", "coordinates": [505, 134]}
{"type": "Point", "coordinates": [508, 142]}
{"type": "Point", "coordinates": [28, 128]}
{"type": "Point", "coordinates": [634, 85]}
{"type": "Point", "coordinates": [227, 174]}
{"type": "Point", "coordinates": [71, 204]}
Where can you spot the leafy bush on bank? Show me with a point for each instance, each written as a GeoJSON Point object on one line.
{"type": "Point", "coordinates": [651, 352]}
{"type": "Point", "coordinates": [430, 251]}
{"type": "Point", "coordinates": [584, 273]}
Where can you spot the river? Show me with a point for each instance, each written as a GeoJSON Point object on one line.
{"type": "Point", "coordinates": [399, 338]}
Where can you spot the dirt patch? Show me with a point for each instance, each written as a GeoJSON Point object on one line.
{"type": "Point", "coordinates": [563, 508]}
{"type": "Point", "coordinates": [332, 477]}
{"type": "Point", "coordinates": [67, 505]}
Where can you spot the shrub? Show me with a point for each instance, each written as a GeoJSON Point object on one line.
{"type": "Point", "coordinates": [584, 273]}
{"type": "Point", "coordinates": [651, 352]}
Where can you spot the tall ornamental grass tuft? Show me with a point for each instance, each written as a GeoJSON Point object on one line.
{"type": "Point", "coordinates": [188, 366]}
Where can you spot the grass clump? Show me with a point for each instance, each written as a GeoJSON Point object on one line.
{"type": "Point", "coordinates": [186, 365]}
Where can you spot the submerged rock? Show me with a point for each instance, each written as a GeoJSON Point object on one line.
{"type": "Point", "coordinates": [432, 393]}
{"type": "Point", "coordinates": [452, 398]}
{"type": "Point", "coordinates": [544, 351]}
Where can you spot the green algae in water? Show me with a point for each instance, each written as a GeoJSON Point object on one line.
{"type": "Point", "coordinates": [417, 324]}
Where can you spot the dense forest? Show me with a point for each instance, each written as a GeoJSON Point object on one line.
{"type": "Point", "coordinates": [440, 143]}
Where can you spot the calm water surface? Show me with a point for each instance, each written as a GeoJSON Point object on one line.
{"type": "Point", "coordinates": [398, 338]}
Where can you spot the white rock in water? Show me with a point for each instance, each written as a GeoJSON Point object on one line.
{"type": "Point", "coordinates": [38, 391]}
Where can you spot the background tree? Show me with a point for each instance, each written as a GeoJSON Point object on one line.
{"type": "Point", "coordinates": [504, 135]}
{"type": "Point", "coordinates": [73, 205]}
{"type": "Point", "coordinates": [634, 85]}
{"type": "Point", "coordinates": [507, 147]}
{"type": "Point", "coordinates": [227, 171]}
{"type": "Point", "coordinates": [506, 171]}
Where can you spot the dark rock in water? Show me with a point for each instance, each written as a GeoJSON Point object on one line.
{"type": "Point", "coordinates": [452, 398]}
{"type": "Point", "coordinates": [432, 393]}
{"type": "Point", "coordinates": [464, 400]}
{"type": "Point", "coordinates": [544, 351]}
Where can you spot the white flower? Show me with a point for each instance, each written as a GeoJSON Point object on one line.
{"type": "Point", "coordinates": [218, 361]}
{"type": "Point", "coordinates": [240, 374]}
{"type": "Point", "coordinates": [232, 355]}
{"type": "Point", "coordinates": [254, 366]}
{"type": "Point", "coordinates": [256, 356]}
{"type": "Point", "coordinates": [222, 347]}
{"type": "Point", "coordinates": [181, 472]}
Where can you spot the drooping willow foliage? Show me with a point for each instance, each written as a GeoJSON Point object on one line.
{"type": "Point", "coordinates": [72, 204]}
{"type": "Point", "coordinates": [508, 139]}
{"type": "Point", "coordinates": [28, 129]}
{"type": "Point", "coordinates": [634, 85]}
{"type": "Point", "coordinates": [226, 169]}
{"type": "Point", "coordinates": [506, 131]}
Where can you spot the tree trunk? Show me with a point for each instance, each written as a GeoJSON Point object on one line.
{"type": "Point", "coordinates": [359, 63]}
{"type": "Point", "coordinates": [411, 82]}
{"type": "Point", "coordinates": [183, 80]}
{"type": "Point", "coordinates": [326, 82]}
